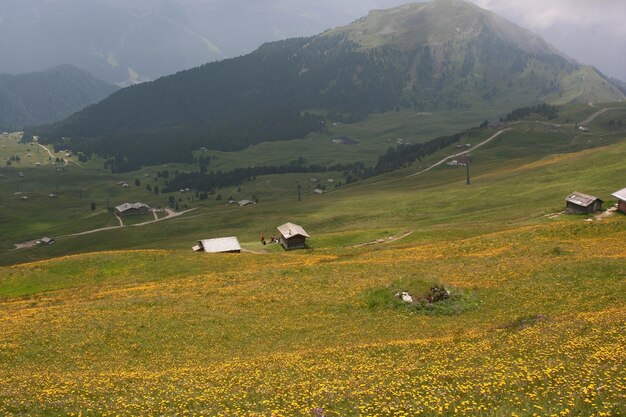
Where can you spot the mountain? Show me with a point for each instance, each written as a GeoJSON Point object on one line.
{"type": "Point", "coordinates": [447, 54]}
{"type": "Point", "coordinates": [47, 96]}
{"type": "Point", "coordinates": [129, 41]}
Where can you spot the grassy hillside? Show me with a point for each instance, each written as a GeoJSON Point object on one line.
{"type": "Point", "coordinates": [548, 157]}
{"type": "Point", "coordinates": [173, 332]}
{"type": "Point", "coordinates": [534, 325]}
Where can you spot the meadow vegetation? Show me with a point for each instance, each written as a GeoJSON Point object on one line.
{"type": "Point", "coordinates": [131, 321]}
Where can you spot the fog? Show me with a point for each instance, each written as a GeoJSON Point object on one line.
{"type": "Point", "coordinates": [121, 40]}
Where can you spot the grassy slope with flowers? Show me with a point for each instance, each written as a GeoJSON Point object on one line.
{"type": "Point", "coordinates": [169, 332]}
{"type": "Point", "coordinates": [155, 332]}
{"type": "Point", "coordinates": [287, 334]}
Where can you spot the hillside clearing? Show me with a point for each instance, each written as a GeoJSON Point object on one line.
{"type": "Point", "coordinates": [243, 335]}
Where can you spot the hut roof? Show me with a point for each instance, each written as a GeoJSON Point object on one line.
{"type": "Point", "coordinates": [246, 202]}
{"type": "Point", "coordinates": [128, 206]}
{"type": "Point", "coordinates": [289, 230]}
{"type": "Point", "coordinates": [581, 199]}
{"type": "Point", "coordinates": [621, 194]}
{"type": "Point", "coordinates": [219, 245]}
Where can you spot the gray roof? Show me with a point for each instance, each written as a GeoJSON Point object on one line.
{"type": "Point", "coordinates": [128, 206]}
{"type": "Point", "coordinates": [223, 244]}
{"type": "Point", "coordinates": [621, 194]}
{"type": "Point", "coordinates": [289, 230]}
{"type": "Point", "coordinates": [246, 202]}
{"type": "Point", "coordinates": [581, 199]}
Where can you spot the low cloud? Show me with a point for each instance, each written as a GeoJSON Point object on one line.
{"type": "Point", "coordinates": [591, 32]}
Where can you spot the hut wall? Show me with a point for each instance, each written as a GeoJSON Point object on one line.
{"type": "Point", "coordinates": [572, 208]}
{"type": "Point", "coordinates": [296, 242]}
{"type": "Point", "coordinates": [597, 206]}
{"type": "Point", "coordinates": [621, 206]}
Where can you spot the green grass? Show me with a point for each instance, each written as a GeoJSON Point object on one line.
{"type": "Point", "coordinates": [162, 330]}
{"type": "Point", "coordinates": [517, 173]}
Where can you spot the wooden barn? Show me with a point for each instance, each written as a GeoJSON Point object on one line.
{"type": "Point", "coordinates": [621, 200]}
{"type": "Point", "coordinates": [219, 245]}
{"type": "Point", "coordinates": [292, 236]}
{"type": "Point", "coordinates": [46, 241]}
{"type": "Point", "coordinates": [579, 203]}
{"type": "Point", "coordinates": [128, 209]}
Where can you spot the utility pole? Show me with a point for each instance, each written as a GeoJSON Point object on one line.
{"type": "Point", "coordinates": [299, 194]}
{"type": "Point", "coordinates": [467, 166]}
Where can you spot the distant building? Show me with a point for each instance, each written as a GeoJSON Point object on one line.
{"type": "Point", "coordinates": [53, 195]}
{"type": "Point", "coordinates": [621, 200]}
{"type": "Point", "coordinates": [319, 191]}
{"type": "Point", "coordinates": [579, 203]}
{"type": "Point", "coordinates": [220, 245]}
{"type": "Point", "coordinates": [292, 236]}
{"type": "Point", "coordinates": [129, 209]}
{"type": "Point", "coordinates": [243, 203]}
{"type": "Point", "coordinates": [46, 241]}
{"type": "Point", "coordinates": [497, 125]}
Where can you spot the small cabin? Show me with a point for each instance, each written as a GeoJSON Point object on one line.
{"type": "Point", "coordinates": [46, 241]}
{"type": "Point", "coordinates": [129, 209]}
{"type": "Point", "coordinates": [219, 245]}
{"type": "Point", "coordinates": [292, 236]}
{"type": "Point", "coordinates": [580, 203]}
{"type": "Point", "coordinates": [621, 200]}
{"type": "Point", "coordinates": [244, 203]}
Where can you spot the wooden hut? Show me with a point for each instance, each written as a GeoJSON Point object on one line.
{"type": "Point", "coordinates": [219, 245]}
{"type": "Point", "coordinates": [292, 236]}
{"type": "Point", "coordinates": [128, 209]}
{"type": "Point", "coordinates": [621, 200]}
{"type": "Point", "coordinates": [579, 203]}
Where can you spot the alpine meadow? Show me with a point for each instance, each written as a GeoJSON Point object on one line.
{"type": "Point", "coordinates": [420, 213]}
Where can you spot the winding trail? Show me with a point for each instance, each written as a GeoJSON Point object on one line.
{"type": "Point", "coordinates": [595, 115]}
{"type": "Point", "coordinates": [387, 240]}
{"type": "Point", "coordinates": [486, 141]}
{"type": "Point", "coordinates": [170, 215]}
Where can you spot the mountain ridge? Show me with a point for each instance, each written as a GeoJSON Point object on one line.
{"type": "Point", "coordinates": [47, 96]}
{"type": "Point", "coordinates": [271, 93]}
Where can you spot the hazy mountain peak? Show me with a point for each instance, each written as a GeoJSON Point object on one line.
{"type": "Point", "coordinates": [438, 22]}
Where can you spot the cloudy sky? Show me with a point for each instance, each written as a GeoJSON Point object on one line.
{"type": "Point", "coordinates": [120, 39]}
{"type": "Point", "coordinates": [592, 32]}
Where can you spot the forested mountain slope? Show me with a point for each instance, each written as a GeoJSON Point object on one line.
{"type": "Point", "coordinates": [447, 54]}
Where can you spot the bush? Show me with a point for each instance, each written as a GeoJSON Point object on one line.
{"type": "Point", "coordinates": [430, 297]}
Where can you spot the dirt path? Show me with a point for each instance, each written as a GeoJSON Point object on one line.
{"type": "Point", "coordinates": [387, 240]}
{"type": "Point", "coordinates": [170, 215]}
{"type": "Point", "coordinates": [254, 251]}
{"type": "Point", "coordinates": [605, 214]}
{"type": "Point", "coordinates": [486, 141]}
{"type": "Point", "coordinates": [23, 245]}
{"type": "Point", "coordinates": [594, 116]}
{"type": "Point", "coordinates": [47, 150]}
